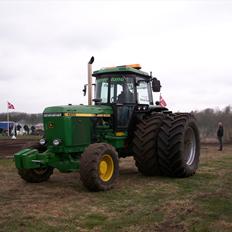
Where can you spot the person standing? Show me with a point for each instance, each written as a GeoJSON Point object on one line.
{"type": "Point", "coordinates": [220, 133]}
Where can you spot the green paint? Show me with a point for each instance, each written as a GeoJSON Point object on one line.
{"type": "Point", "coordinates": [77, 109]}
{"type": "Point", "coordinates": [74, 132]}
{"type": "Point", "coordinates": [121, 70]}
{"type": "Point", "coordinates": [31, 158]}
{"type": "Point", "coordinates": [117, 142]}
{"type": "Point", "coordinates": [73, 126]}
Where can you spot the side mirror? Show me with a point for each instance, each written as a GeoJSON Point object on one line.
{"type": "Point", "coordinates": [84, 90]}
{"type": "Point", "coordinates": [156, 85]}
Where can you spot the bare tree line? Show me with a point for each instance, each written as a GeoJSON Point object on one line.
{"type": "Point", "coordinates": [208, 122]}
{"type": "Point", "coordinates": [24, 118]}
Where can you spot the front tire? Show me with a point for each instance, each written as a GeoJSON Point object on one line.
{"type": "Point", "coordinates": [36, 175]}
{"type": "Point", "coordinates": [99, 167]}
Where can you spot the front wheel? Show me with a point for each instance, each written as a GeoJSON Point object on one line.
{"type": "Point", "coordinates": [99, 167]}
{"type": "Point", "coordinates": [35, 175]}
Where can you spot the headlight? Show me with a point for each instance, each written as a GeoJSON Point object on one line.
{"type": "Point", "coordinates": [56, 142]}
{"type": "Point", "coordinates": [42, 141]}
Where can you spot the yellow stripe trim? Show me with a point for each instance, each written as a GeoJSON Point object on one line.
{"type": "Point", "coordinates": [120, 133]}
{"type": "Point", "coordinates": [85, 115]}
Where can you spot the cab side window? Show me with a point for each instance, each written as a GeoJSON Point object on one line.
{"type": "Point", "coordinates": [142, 92]}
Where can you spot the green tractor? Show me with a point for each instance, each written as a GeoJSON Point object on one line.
{"type": "Point", "coordinates": [124, 121]}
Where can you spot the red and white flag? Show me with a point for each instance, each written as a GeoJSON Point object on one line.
{"type": "Point", "coordinates": [162, 102]}
{"type": "Point", "coordinates": [10, 106]}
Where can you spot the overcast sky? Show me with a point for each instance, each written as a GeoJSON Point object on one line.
{"type": "Point", "coordinates": [45, 47]}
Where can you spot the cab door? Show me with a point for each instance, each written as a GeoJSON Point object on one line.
{"type": "Point", "coordinates": [123, 100]}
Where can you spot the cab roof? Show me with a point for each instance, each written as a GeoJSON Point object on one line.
{"type": "Point", "coordinates": [123, 69]}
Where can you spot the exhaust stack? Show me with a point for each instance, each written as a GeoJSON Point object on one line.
{"type": "Point", "coordinates": [90, 81]}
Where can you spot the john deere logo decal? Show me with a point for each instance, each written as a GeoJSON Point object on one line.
{"type": "Point", "coordinates": [50, 125]}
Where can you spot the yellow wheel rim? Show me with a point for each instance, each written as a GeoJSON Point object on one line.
{"type": "Point", "coordinates": [106, 168]}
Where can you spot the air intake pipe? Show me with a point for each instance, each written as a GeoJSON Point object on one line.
{"type": "Point", "coordinates": [90, 81]}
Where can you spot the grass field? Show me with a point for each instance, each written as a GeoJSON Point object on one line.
{"type": "Point", "coordinates": [137, 203]}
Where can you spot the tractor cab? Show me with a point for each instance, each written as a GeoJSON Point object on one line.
{"type": "Point", "coordinates": [127, 89]}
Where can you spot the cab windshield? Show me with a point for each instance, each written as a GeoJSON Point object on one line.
{"type": "Point", "coordinates": [120, 89]}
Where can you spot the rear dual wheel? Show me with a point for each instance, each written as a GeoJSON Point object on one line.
{"type": "Point", "coordinates": [99, 167]}
{"type": "Point", "coordinates": [179, 146]}
{"type": "Point", "coordinates": [167, 144]}
{"type": "Point", "coordinates": [145, 144]}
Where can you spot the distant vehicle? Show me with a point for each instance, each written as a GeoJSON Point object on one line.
{"type": "Point", "coordinates": [4, 127]}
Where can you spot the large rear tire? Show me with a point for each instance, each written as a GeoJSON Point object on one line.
{"type": "Point", "coordinates": [179, 146]}
{"type": "Point", "coordinates": [36, 175]}
{"type": "Point", "coordinates": [99, 167]}
{"type": "Point", "coordinates": [145, 144]}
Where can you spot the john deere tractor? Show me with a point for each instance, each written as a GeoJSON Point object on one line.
{"type": "Point", "coordinates": [124, 121]}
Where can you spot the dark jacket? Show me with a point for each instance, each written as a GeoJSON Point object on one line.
{"type": "Point", "coordinates": [220, 131]}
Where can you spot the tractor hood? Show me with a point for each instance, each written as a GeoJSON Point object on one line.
{"type": "Point", "coordinates": [74, 110]}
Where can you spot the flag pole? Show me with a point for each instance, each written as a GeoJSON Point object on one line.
{"type": "Point", "coordinates": [8, 119]}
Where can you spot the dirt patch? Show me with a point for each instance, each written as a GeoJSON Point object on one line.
{"type": "Point", "coordinates": [10, 146]}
